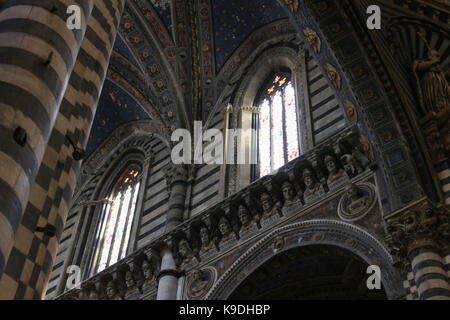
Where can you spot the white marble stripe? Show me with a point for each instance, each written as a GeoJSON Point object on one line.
{"type": "Point", "coordinates": [46, 18]}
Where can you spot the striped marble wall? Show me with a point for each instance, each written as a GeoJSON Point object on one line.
{"type": "Point", "coordinates": [327, 116]}
{"type": "Point", "coordinates": [156, 198]}
{"type": "Point", "coordinates": [205, 191]}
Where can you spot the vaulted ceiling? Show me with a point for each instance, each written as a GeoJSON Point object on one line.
{"type": "Point", "coordinates": [169, 73]}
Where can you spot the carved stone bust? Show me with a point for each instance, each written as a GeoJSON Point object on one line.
{"type": "Point", "coordinates": [199, 283]}
{"type": "Point", "coordinates": [357, 201]}
{"type": "Point", "coordinates": [335, 172]}
{"type": "Point", "coordinates": [207, 243]}
{"type": "Point", "coordinates": [185, 251]}
{"type": "Point", "coordinates": [225, 229]}
{"type": "Point", "coordinates": [289, 194]}
{"type": "Point", "coordinates": [147, 271]}
{"type": "Point", "coordinates": [111, 291]}
{"type": "Point", "coordinates": [310, 182]}
{"type": "Point", "coordinates": [244, 218]}
{"type": "Point", "coordinates": [269, 208]}
{"type": "Point", "coordinates": [129, 280]}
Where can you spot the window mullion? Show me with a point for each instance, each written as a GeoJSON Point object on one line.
{"type": "Point", "coordinates": [284, 127]}
{"type": "Point", "coordinates": [113, 239]}
{"type": "Point", "coordinates": [98, 249]}
{"type": "Point", "coordinates": [127, 221]}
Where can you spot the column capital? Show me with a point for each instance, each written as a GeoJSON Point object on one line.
{"type": "Point", "coordinates": [419, 225]}
{"type": "Point", "coordinates": [175, 173]}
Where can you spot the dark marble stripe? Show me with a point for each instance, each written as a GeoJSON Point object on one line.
{"type": "Point", "coordinates": [10, 205]}
{"type": "Point", "coordinates": [430, 276]}
{"type": "Point", "coordinates": [426, 263]}
{"type": "Point", "coordinates": [322, 103]}
{"type": "Point", "coordinates": [99, 17]}
{"type": "Point", "coordinates": [158, 227]}
{"type": "Point", "coordinates": [155, 206]}
{"type": "Point", "coordinates": [61, 9]}
{"type": "Point", "coordinates": [24, 156]}
{"type": "Point", "coordinates": [208, 174]}
{"type": "Point", "coordinates": [154, 195]}
{"type": "Point", "coordinates": [111, 10]}
{"type": "Point", "coordinates": [323, 88]}
{"type": "Point", "coordinates": [434, 292]}
{"type": "Point", "coordinates": [43, 32]}
{"type": "Point", "coordinates": [425, 249]}
{"type": "Point", "coordinates": [211, 196]}
{"type": "Point", "coordinates": [329, 125]}
{"type": "Point", "coordinates": [159, 216]}
{"type": "Point", "coordinates": [328, 112]}
{"type": "Point", "coordinates": [92, 36]}
{"type": "Point", "coordinates": [205, 188]}
{"type": "Point", "coordinates": [27, 103]}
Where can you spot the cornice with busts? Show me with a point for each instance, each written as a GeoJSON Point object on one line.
{"type": "Point", "coordinates": [344, 145]}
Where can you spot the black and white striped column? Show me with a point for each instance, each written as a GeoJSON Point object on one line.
{"type": "Point", "coordinates": [37, 55]}
{"type": "Point", "coordinates": [176, 179]}
{"type": "Point", "coordinates": [428, 268]}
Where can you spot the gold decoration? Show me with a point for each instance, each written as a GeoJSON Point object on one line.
{"type": "Point", "coordinates": [351, 111]}
{"type": "Point", "coordinates": [313, 39]}
{"type": "Point", "coordinates": [293, 5]}
{"type": "Point", "coordinates": [333, 75]}
{"type": "Point", "coordinates": [367, 147]}
{"type": "Point", "coordinates": [432, 85]}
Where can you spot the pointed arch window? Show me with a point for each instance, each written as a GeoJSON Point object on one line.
{"type": "Point", "coordinates": [116, 219]}
{"type": "Point", "coordinates": [278, 123]}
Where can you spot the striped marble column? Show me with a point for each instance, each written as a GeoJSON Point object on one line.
{"type": "Point", "coordinates": [176, 179]}
{"type": "Point", "coordinates": [37, 55]}
{"type": "Point", "coordinates": [27, 272]}
{"type": "Point", "coordinates": [167, 277]}
{"type": "Point", "coordinates": [428, 268]}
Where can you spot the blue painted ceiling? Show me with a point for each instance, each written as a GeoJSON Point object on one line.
{"type": "Point", "coordinates": [121, 48]}
{"type": "Point", "coordinates": [164, 12]}
{"type": "Point", "coordinates": [235, 20]}
{"type": "Point", "coordinates": [115, 108]}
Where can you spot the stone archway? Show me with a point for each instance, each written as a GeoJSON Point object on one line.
{"type": "Point", "coordinates": [319, 272]}
{"type": "Point", "coordinates": [313, 232]}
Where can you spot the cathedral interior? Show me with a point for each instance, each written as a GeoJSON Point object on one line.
{"type": "Point", "coordinates": [316, 164]}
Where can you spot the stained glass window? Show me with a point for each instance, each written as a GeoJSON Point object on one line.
{"type": "Point", "coordinates": [116, 218]}
{"type": "Point", "coordinates": [278, 124]}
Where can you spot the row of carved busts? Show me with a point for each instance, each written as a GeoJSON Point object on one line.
{"type": "Point", "coordinates": [129, 278]}
{"type": "Point", "coordinates": [300, 183]}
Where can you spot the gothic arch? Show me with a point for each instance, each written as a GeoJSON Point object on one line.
{"type": "Point", "coordinates": [312, 232]}
{"type": "Point", "coordinates": [240, 62]}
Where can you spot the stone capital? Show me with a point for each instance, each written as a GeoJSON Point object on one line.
{"type": "Point", "coordinates": [419, 225]}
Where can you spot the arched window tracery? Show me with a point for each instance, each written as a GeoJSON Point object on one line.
{"type": "Point", "coordinates": [278, 123]}
{"type": "Point", "coordinates": [116, 218]}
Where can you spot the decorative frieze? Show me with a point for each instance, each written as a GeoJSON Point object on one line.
{"type": "Point", "coordinates": [290, 191]}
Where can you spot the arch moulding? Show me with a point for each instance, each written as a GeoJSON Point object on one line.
{"type": "Point", "coordinates": [308, 233]}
